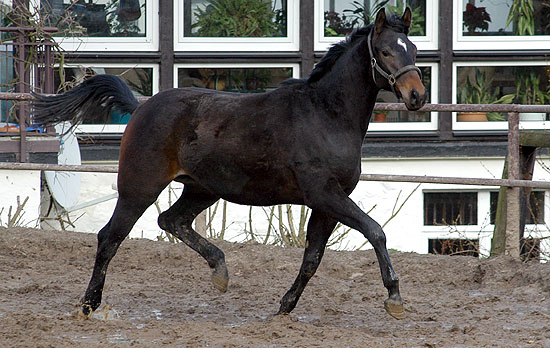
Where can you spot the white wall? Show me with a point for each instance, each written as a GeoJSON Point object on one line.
{"type": "Point", "coordinates": [25, 184]}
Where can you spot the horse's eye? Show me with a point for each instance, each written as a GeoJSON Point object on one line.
{"type": "Point", "coordinates": [386, 53]}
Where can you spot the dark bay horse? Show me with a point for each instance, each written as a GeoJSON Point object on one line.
{"type": "Point", "coordinates": [298, 144]}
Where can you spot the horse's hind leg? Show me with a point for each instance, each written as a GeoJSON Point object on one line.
{"type": "Point", "coordinates": [109, 238]}
{"type": "Point", "coordinates": [178, 219]}
{"type": "Point", "coordinates": [319, 229]}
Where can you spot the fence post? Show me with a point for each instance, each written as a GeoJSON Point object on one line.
{"type": "Point", "coordinates": [513, 193]}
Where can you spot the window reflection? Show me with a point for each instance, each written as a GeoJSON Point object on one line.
{"type": "Point", "coordinates": [235, 18]}
{"type": "Point", "coordinates": [341, 16]}
{"type": "Point", "coordinates": [243, 80]}
{"type": "Point", "coordinates": [96, 18]}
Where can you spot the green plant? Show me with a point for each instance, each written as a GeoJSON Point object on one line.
{"type": "Point", "coordinates": [418, 19]}
{"type": "Point", "coordinates": [475, 17]}
{"type": "Point", "coordinates": [361, 15]}
{"type": "Point", "coordinates": [481, 91]}
{"type": "Point", "coordinates": [528, 89]}
{"type": "Point", "coordinates": [236, 18]}
{"type": "Point", "coordinates": [521, 13]}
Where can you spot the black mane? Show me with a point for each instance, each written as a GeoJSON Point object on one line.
{"type": "Point", "coordinates": [326, 63]}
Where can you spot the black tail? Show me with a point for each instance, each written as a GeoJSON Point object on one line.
{"type": "Point", "coordinates": [90, 102]}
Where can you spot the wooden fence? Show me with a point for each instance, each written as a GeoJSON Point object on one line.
{"type": "Point", "coordinates": [512, 183]}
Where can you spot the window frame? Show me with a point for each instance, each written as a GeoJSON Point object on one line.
{"type": "Point", "coordinates": [84, 128]}
{"type": "Point", "coordinates": [427, 42]}
{"type": "Point", "coordinates": [483, 231]}
{"type": "Point", "coordinates": [488, 43]}
{"type": "Point", "coordinates": [148, 43]}
{"type": "Point", "coordinates": [295, 67]}
{"type": "Point", "coordinates": [433, 125]}
{"type": "Point", "coordinates": [492, 125]}
{"type": "Point", "coordinates": [241, 44]}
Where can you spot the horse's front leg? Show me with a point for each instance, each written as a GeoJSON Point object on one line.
{"type": "Point", "coordinates": [332, 200]}
{"type": "Point", "coordinates": [319, 228]}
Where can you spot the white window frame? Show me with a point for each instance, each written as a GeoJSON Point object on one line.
{"type": "Point", "coordinates": [295, 67]}
{"type": "Point", "coordinates": [483, 231]}
{"type": "Point", "coordinates": [415, 126]}
{"type": "Point", "coordinates": [427, 42]}
{"type": "Point", "coordinates": [116, 44]}
{"type": "Point", "coordinates": [239, 44]}
{"type": "Point", "coordinates": [487, 42]}
{"type": "Point", "coordinates": [493, 125]}
{"type": "Point", "coordinates": [111, 128]}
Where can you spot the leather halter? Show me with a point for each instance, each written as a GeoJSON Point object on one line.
{"type": "Point", "coordinates": [392, 78]}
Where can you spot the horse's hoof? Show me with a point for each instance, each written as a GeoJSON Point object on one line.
{"type": "Point", "coordinates": [394, 307]}
{"type": "Point", "coordinates": [85, 311]}
{"type": "Point", "coordinates": [220, 282]}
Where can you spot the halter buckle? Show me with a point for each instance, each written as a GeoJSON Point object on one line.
{"type": "Point", "coordinates": [373, 62]}
{"type": "Point", "coordinates": [391, 80]}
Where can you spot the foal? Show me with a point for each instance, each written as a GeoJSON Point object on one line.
{"type": "Point", "coordinates": [299, 144]}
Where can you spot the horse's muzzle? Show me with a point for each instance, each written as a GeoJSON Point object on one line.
{"type": "Point", "coordinates": [412, 91]}
{"type": "Point", "coordinates": [416, 99]}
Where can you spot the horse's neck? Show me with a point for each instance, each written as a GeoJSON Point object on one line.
{"type": "Point", "coordinates": [350, 88]}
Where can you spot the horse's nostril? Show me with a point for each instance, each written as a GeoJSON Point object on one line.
{"type": "Point", "coordinates": [415, 97]}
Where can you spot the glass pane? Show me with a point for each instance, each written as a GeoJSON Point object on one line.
{"type": "Point", "coordinates": [503, 85]}
{"type": "Point", "coordinates": [341, 16]}
{"type": "Point", "coordinates": [453, 246]}
{"type": "Point", "coordinates": [95, 18]}
{"type": "Point", "coordinates": [450, 208]}
{"type": "Point", "coordinates": [244, 80]}
{"type": "Point", "coordinates": [7, 72]}
{"type": "Point", "coordinates": [506, 17]}
{"type": "Point", "coordinates": [235, 18]}
{"type": "Point", "coordinates": [404, 116]}
{"type": "Point", "coordinates": [140, 81]}
{"type": "Point", "coordinates": [535, 208]}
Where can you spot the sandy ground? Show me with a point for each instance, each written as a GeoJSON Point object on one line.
{"type": "Point", "coordinates": [159, 295]}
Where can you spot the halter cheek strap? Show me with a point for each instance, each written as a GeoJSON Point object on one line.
{"type": "Point", "coordinates": [392, 78]}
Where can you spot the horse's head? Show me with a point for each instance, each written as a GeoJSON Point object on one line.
{"type": "Point", "coordinates": [392, 59]}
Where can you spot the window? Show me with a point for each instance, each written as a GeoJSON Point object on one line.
{"type": "Point", "coordinates": [450, 208]}
{"type": "Point", "coordinates": [409, 120]}
{"type": "Point", "coordinates": [454, 246]}
{"type": "Point", "coordinates": [505, 24]}
{"type": "Point", "coordinates": [249, 78]}
{"type": "Point", "coordinates": [99, 25]}
{"type": "Point", "coordinates": [501, 83]}
{"type": "Point", "coordinates": [236, 25]}
{"type": "Point", "coordinates": [335, 18]}
{"type": "Point", "coordinates": [535, 208]}
{"type": "Point", "coordinates": [530, 249]}
{"type": "Point", "coordinates": [142, 80]}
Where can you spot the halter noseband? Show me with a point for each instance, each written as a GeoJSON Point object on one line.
{"type": "Point", "coordinates": [392, 78]}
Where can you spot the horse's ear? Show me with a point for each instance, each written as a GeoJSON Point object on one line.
{"type": "Point", "coordinates": [380, 20]}
{"type": "Point", "coordinates": [407, 16]}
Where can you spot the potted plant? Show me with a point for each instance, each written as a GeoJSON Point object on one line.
{"type": "Point", "coordinates": [481, 91]}
{"type": "Point", "coordinates": [521, 13]}
{"type": "Point", "coordinates": [528, 92]}
{"type": "Point", "coordinates": [236, 18]}
{"type": "Point", "coordinates": [475, 18]}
